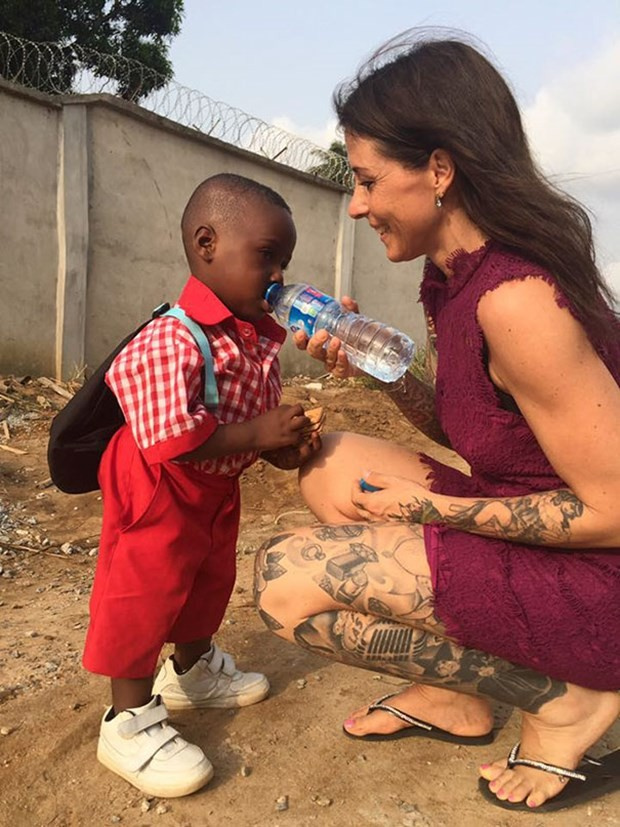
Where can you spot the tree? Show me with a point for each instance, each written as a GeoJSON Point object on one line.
{"type": "Point", "coordinates": [72, 31]}
{"type": "Point", "coordinates": [333, 164]}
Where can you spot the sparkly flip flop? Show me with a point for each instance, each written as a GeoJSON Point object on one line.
{"type": "Point", "coordinates": [417, 727]}
{"type": "Point", "coordinates": [593, 778]}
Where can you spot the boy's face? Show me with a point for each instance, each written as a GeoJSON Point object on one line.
{"type": "Point", "coordinates": [247, 255]}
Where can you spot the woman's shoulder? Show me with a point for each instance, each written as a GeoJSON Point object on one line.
{"type": "Point", "coordinates": [531, 297]}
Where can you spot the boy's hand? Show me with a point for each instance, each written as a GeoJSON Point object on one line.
{"type": "Point", "coordinates": [294, 456]}
{"type": "Point", "coordinates": [280, 427]}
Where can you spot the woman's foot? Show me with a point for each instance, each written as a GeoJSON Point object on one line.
{"type": "Point", "coordinates": [456, 713]}
{"type": "Point", "coordinates": [559, 734]}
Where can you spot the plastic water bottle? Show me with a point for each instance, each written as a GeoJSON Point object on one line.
{"type": "Point", "coordinates": [371, 346]}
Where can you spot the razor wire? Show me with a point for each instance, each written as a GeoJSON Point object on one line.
{"type": "Point", "coordinates": [61, 69]}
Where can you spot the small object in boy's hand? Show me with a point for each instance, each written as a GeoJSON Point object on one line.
{"type": "Point", "coordinates": [317, 418]}
{"type": "Point", "coordinates": [366, 486]}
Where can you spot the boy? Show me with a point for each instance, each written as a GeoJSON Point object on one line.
{"type": "Point", "coordinates": [169, 479]}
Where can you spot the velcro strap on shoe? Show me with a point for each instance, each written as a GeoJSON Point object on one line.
{"type": "Point", "coordinates": [155, 715]}
{"type": "Point", "coordinates": [150, 748]}
{"type": "Point", "coordinates": [221, 662]}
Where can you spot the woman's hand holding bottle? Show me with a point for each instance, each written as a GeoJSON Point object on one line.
{"type": "Point", "coordinates": [332, 355]}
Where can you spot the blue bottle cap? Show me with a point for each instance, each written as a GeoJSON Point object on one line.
{"type": "Point", "coordinates": [366, 486]}
{"type": "Point", "coordinates": [272, 291]}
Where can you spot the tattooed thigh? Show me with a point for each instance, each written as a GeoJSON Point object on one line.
{"type": "Point", "coordinates": [378, 569]}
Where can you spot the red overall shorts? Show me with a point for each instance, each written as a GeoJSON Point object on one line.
{"type": "Point", "coordinates": [166, 564]}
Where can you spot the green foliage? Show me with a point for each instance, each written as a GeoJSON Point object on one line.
{"type": "Point", "coordinates": [139, 30]}
{"type": "Point", "coordinates": [333, 164]}
{"type": "Point", "coordinates": [419, 365]}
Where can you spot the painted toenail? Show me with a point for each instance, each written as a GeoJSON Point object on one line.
{"type": "Point", "coordinates": [349, 722]}
{"type": "Point", "coordinates": [484, 766]}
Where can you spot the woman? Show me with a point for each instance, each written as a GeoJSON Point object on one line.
{"type": "Point", "coordinates": [504, 583]}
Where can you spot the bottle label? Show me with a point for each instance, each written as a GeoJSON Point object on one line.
{"type": "Point", "coordinates": [307, 306]}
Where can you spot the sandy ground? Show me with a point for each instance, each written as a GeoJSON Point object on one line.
{"type": "Point", "coordinates": [287, 752]}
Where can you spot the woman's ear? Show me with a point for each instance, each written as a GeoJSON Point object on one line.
{"type": "Point", "coordinates": [442, 167]}
{"type": "Point", "coordinates": [204, 242]}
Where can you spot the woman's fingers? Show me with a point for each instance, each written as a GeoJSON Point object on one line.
{"type": "Point", "coordinates": [350, 304]}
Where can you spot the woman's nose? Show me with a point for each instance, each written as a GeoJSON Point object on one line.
{"type": "Point", "coordinates": [357, 205]}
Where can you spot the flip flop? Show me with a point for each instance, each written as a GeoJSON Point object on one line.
{"type": "Point", "coordinates": [417, 727]}
{"type": "Point", "coordinates": [592, 778]}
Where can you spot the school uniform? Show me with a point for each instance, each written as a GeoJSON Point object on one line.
{"type": "Point", "coordinates": [166, 564]}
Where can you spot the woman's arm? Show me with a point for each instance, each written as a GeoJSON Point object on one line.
{"type": "Point", "coordinates": [413, 396]}
{"type": "Point", "coordinates": [540, 355]}
{"type": "Point", "coordinates": [416, 401]}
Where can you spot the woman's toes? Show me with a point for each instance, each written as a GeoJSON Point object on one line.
{"type": "Point", "coordinates": [519, 792]}
{"type": "Point", "coordinates": [513, 789]}
{"type": "Point", "coordinates": [502, 783]}
{"type": "Point", "coordinates": [356, 723]}
{"type": "Point", "coordinates": [491, 771]}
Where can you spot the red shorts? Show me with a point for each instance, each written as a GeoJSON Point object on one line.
{"type": "Point", "coordinates": [166, 564]}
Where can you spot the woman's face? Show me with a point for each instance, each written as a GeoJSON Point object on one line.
{"type": "Point", "coordinates": [398, 202]}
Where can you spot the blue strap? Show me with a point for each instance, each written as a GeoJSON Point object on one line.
{"type": "Point", "coordinates": [211, 395]}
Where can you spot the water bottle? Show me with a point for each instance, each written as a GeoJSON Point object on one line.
{"type": "Point", "coordinates": [371, 346]}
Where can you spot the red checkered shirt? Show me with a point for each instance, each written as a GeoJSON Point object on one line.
{"type": "Point", "coordinates": [158, 379]}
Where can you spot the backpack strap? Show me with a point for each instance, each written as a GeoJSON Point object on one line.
{"type": "Point", "coordinates": [211, 396]}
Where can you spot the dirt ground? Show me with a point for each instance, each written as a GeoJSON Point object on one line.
{"type": "Point", "coordinates": [282, 762]}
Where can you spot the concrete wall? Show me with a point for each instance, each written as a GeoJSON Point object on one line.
{"type": "Point", "coordinates": [92, 190]}
{"type": "Point", "coordinates": [29, 251]}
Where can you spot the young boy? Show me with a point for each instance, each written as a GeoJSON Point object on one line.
{"type": "Point", "coordinates": [169, 479]}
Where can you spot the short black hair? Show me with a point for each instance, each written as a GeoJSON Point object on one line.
{"type": "Point", "coordinates": [222, 197]}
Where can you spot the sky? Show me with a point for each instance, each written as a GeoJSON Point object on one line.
{"type": "Point", "coordinates": [280, 60]}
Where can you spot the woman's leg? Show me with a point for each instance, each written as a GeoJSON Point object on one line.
{"type": "Point", "coordinates": [361, 594]}
{"type": "Point", "coordinates": [326, 481]}
{"type": "Point", "coordinates": [326, 484]}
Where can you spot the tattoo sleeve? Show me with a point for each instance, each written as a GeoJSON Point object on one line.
{"type": "Point", "coordinates": [544, 518]}
{"type": "Point", "coordinates": [416, 401]}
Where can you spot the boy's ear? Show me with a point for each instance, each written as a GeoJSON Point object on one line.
{"type": "Point", "coordinates": [204, 242]}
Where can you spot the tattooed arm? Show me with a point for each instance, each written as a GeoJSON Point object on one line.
{"type": "Point", "coordinates": [539, 354]}
{"type": "Point", "coordinates": [548, 518]}
{"type": "Point", "coordinates": [412, 395]}
{"type": "Point", "coordinates": [416, 401]}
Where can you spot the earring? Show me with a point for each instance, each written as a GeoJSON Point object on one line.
{"type": "Point", "coordinates": [438, 197]}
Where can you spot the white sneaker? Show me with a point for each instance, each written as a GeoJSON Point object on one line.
{"type": "Point", "coordinates": [140, 746]}
{"type": "Point", "coordinates": [213, 681]}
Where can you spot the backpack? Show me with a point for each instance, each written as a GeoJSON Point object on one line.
{"type": "Point", "coordinates": [81, 431]}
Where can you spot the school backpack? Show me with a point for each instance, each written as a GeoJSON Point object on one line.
{"type": "Point", "coordinates": [81, 431]}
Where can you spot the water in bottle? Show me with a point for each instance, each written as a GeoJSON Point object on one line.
{"type": "Point", "coordinates": [371, 346]}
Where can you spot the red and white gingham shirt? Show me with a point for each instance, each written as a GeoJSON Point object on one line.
{"type": "Point", "coordinates": [158, 379]}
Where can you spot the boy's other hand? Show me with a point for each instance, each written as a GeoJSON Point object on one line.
{"type": "Point", "coordinates": [294, 456]}
{"type": "Point", "coordinates": [281, 427]}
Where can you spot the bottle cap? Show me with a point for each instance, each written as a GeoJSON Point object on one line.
{"type": "Point", "coordinates": [272, 291]}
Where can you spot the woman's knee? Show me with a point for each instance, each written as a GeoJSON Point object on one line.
{"type": "Point", "coordinates": [327, 480]}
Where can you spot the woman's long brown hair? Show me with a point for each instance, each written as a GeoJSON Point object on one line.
{"type": "Point", "coordinates": [418, 94]}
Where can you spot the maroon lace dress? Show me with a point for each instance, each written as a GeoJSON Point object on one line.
{"type": "Point", "coordinates": [554, 610]}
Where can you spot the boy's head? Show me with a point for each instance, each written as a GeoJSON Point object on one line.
{"type": "Point", "coordinates": [239, 237]}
